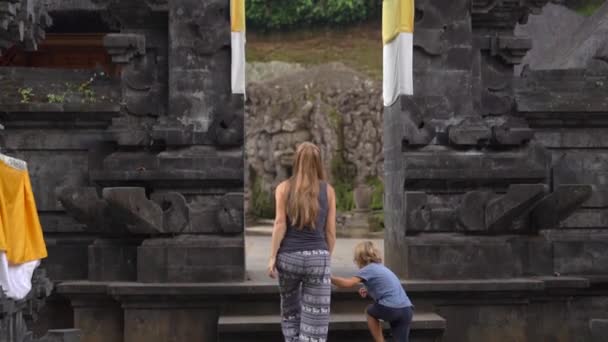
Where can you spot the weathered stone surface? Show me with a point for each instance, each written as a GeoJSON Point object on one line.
{"type": "Point", "coordinates": [123, 47]}
{"type": "Point", "coordinates": [470, 133]}
{"type": "Point", "coordinates": [580, 48]}
{"type": "Point", "coordinates": [471, 212]}
{"type": "Point", "coordinates": [84, 204]}
{"type": "Point", "coordinates": [199, 33]}
{"type": "Point", "coordinates": [113, 260]}
{"type": "Point", "coordinates": [512, 133]}
{"type": "Point", "coordinates": [561, 97]}
{"type": "Point", "coordinates": [585, 256]}
{"type": "Point", "coordinates": [560, 204]}
{"type": "Point", "coordinates": [63, 335]}
{"type": "Point", "coordinates": [540, 28]}
{"type": "Point", "coordinates": [231, 216]}
{"type": "Point", "coordinates": [435, 256]}
{"type": "Point", "coordinates": [599, 329]}
{"type": "Point", "coordinates": [176, 213]}
{"type": "Point", "coordinates": [502, 211]}
{"type": "Point", "coordinates": [186, 258]}
{"type": "Point", "coordinates": [131, 206]}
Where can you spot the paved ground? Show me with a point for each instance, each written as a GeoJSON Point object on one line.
{"type": "Point", "coordinates": [258, 250]}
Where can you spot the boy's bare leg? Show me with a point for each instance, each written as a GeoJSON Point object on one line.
{"type": "Point", "coordinates": [375, 328]}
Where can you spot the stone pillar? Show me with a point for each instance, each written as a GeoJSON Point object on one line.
{"type": "Point", "coordinates": [199, 60]}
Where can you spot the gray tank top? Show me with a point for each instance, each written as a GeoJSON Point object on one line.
{"type": "Point", "coordinates": [307, 239]}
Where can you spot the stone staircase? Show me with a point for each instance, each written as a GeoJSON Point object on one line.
{"type": "Point", "coordinates": [260, 322]}
{"type": "Point", "coordinates": [426, 327]}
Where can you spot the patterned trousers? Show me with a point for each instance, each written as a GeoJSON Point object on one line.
{"type": "Point", "coordinates": [305, 287]}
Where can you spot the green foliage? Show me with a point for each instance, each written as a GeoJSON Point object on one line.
{"type": "Point", "coordinates": [343, 176]}
{"type": "Point", "coordinates": [345, 200]}
{"type": "Point", "coordinates": [273, 14]}
{"type": "Point", "coordinates": [377, 194]}
{"type": "Point", "coordinates": [54, 98]}
{"type": "Point", "coordinates": [26, 94]}
{"type": "Point", "coordinates": [262, 203]}
{"type": "Point", "coordinates": [588, 7]}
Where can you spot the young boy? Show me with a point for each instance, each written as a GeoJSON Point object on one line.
{"type": "Point", "coordinates": [391, 303]}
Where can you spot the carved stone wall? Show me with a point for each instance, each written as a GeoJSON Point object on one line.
{"type": "Point", "coordinates": [145, 171]}
{"type": "Point", "coordinates": [468, 187]}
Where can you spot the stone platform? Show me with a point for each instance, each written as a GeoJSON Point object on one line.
{"type": "Point", "coordinates": [517, 309]}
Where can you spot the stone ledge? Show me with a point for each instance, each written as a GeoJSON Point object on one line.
{"type": "Point", "coordinates": [168, 178]}
{"type": "Point", "coordinates": [53, 108]}
{"type": "Point", "coordinates": [414, 287]}
{"type": "Point", "coordinates": [344, 322]}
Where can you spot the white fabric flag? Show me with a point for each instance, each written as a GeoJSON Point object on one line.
{"type": "Point", "coordinates": [398, 39]}
{"type": "Point", "coordinates": [237, 18]}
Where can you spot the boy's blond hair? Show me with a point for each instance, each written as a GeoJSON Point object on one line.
{"type": "Point", "coordinates": [366, 253]}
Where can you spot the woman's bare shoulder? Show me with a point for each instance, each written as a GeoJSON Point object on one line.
{"type": "Point", "coordinates": [282, 187]}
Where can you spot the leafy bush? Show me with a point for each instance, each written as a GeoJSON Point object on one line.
{"type": "Point", "coordinates": [273, 14]}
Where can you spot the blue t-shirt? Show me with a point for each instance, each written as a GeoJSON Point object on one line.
{"type": "Point", "coordinates": [383, 286]}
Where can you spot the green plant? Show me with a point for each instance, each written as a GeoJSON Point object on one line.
{"type": "Point", "coordinates": [262, 203]}
{"type": "Point", "coordinates": [53, 98]}
{"type": "Point", "coordinates": [273, 14]}
{"type": "Point", "coordinates": [26, 94]}
{"type": "Point", "coordinates": [377, 194]}
{"type": "Point", "coordinates": [343, 176]}
{"type": "Point", "coordinates": [588, 7]}
{"type": "Point", "coordinates": [376, 222]}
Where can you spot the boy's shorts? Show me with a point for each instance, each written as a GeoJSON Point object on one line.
{"type": "Point", "coordinates": [399, 319]}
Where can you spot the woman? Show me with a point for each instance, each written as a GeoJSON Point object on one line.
{"type": "Point", "coordinates": [303, 240]}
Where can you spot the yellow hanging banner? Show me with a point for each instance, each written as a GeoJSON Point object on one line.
{"type": "Point", "coordinates": [397, 17]}
{"type": "Point", "coordinates": [237, 15]}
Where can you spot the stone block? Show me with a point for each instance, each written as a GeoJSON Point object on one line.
{"type": "Point", "coordinates": [231, 215]}
{"type": "Point", "coordinates": [558, 205]}
{"type": "Point", "coordinates": [113, 260]}
{"type": "Point", "coordinates": [61, 335]}
{"type": "Point", "coordinates": [170, 324]}
{"type": "Point", "coordinates": [471, 212]}
{"type": "Point", "coordinates": [588, 256]}
{"type": "Point", "coordinates": [470, 133]}
{"type": "Point", "coordinates": [131, 206]}
{"type": "Point", "coordinates": [513, 133]}
{"type": "Point", "coordinates": [441, 256]}
{"type": "Point", "coordinates": [68, 258]}
{"type": "Point", "coordinates": [186, 258]}
{"type": "Point", "coordinates": [599, 330]}
{"type": "Point", "coordinates": [502, 211]}
{"type": "Point", "coordinates": [176, 213]}
{"type": "Point", "coordinates": [99, 318]}
{"type": "Point", "coordinates": [124, 46]}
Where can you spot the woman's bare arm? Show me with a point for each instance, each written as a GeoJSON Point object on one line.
{"type": "Point", "coordinates": [330, 226]}
{"type": "Point", "coordinates": [280, 224]}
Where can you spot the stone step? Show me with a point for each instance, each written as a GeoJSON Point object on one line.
{"type": "Point", "coordinates": [426, 327]}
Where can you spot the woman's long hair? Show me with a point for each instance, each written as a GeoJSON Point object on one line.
{"type": "Point", "coordinates": [303, 199]}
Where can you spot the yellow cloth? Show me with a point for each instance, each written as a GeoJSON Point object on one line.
{"type": "Point", "coordinates": [237, 15]}
{"type": "Point", "coordinates": [397, 17]}
{"type": "Point", "coordinates": [20, 231]}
